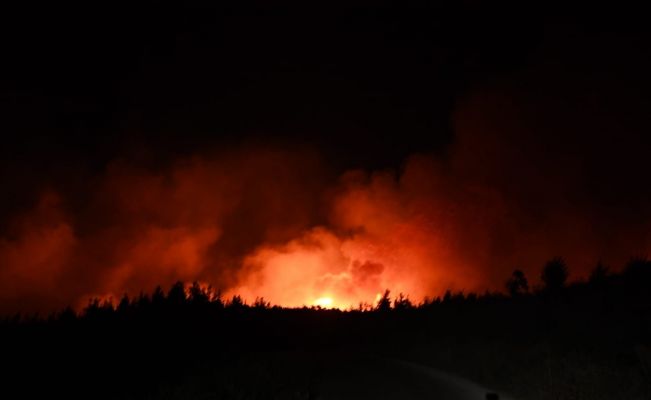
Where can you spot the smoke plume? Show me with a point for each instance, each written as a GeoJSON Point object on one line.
{"type": "Point", "coordinates": [527, 177]}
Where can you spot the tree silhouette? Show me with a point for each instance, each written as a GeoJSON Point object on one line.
{"type": "Point", "coordinates": [638, 268]}
{"type": "Point", "coordinates": [384, 304]}
{"type": "Point", "coordinates": [637, 278]}
{"type": "Point", "coordinates": [554, 275]}
{"type": "Point", "coordinates": [599, 274]}
{"type": "Point", "coordinates": [98, 309]}
{"type": "Point", "coordinates": [236, 303]}
{"type": "Point", "coordinates": [67, 315]}
{"type": "Point", "coordinates": [261, 304]}
{"type": "Point", "coordinates": [158, 297]}
{"type": "Point", "coordinates": [143, 301]}
{"type": "Point", "coordinates": [176, 295]}
{"type": "Point", "coordinates": [198, 295]}
{"type": "Point", "coordinates": [195, 316]}
{"type": "Point", "coordinates": [402, 302]}
{"type": "Point", "coordinates": [123, 306]}
{"type": "Point", "coordinates": [517, 284]}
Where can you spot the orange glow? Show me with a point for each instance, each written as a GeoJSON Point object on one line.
{"type": "Point", "coordinates": [324, 302]}
{"type": "Point", "coordinates": [265, 224]}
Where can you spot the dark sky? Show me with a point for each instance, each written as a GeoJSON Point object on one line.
{"type": "Point", "coordinates": [368, 84]}
{"type": "Point", "coordinates": [540, 108]}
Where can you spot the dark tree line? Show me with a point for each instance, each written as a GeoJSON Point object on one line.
{"type": "Point", "coordinates": [137, 343]}
{"type": "Point", "coordinates": [633, 281]}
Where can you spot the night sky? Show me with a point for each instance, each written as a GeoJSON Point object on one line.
{"type": "Point", "coordinates": [297, 152]}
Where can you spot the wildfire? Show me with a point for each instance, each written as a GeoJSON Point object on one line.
{"type": "Point", "coordinates": [324, 302]}
{"type": "Point", "coordinates": [292, 241]}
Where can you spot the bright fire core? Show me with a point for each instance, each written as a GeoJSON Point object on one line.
{"type": "Point", "coordinates": [322, 269]}
{"type": "Point", "coordinates": [325, 302]}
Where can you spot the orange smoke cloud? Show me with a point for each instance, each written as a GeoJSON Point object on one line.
{"type": "Point", "coordinates": [137, 228]}
{"type": "Point", "coordinates": [263, 222]}
{"type": "Point", "coordinates": [254, 223]}
{"type": "Point", "coordinates": [384, 232]}
{"type": "Point", "coordinates": [35, 254]}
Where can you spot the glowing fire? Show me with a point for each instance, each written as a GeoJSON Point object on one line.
{"type": "Point", "coordinates": [324, 302]}
{"type": "Point", "coordinates": [230, 221]}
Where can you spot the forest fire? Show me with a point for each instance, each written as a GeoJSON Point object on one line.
{"type": "Point", "coordinates": [378, 200]}
{"type": "Point", "coordinates": [227, 220]}
{"type": "Point", "coordinates": [279, 222]}
{"type": "Point", "coordinates": [324, 270]}
{"type": "Point", "coordinates": [325, 302]}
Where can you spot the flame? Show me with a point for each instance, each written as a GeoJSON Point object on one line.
{"type": "Point", "coordinates": [324, 302]}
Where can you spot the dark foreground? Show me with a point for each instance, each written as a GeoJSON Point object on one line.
{"type": "Point", "coordinates": [586, 341]}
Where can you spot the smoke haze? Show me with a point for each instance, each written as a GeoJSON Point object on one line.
{"type": "Point", "coordinates": [394, 173]}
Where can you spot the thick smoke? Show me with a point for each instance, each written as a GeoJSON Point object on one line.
{"type": "Point", "coordinates": [268, 223]}
{"type": "Point", "coordinates": [137, 228]}
{"type": "Point", "coordinates": [542, 165]}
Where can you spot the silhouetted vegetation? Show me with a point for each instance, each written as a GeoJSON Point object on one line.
{"type": "Point", "coordinates": [517, 285]}
{"type": "Point", "coordinates": [384, 304]}
{"type": "Point", "coordinates": [599, 275]}
{"type": "Point", "coordinates": [189, 342]}
{"type": "Point", "coordinates": [554, 275]}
